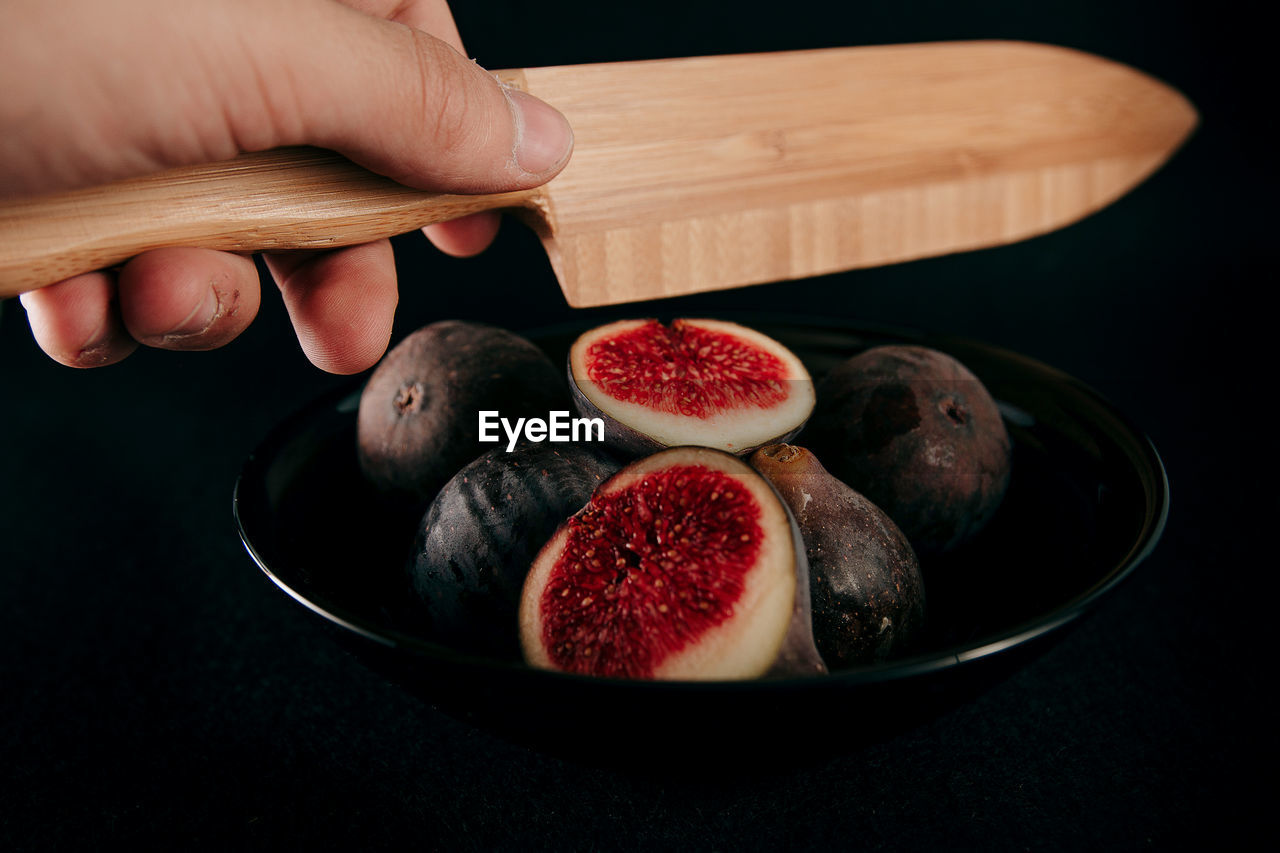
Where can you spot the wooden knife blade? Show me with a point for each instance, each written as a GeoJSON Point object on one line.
{"type": "Point", "coordinates": [696, 174]}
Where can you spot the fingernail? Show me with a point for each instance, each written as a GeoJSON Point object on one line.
{"type": "Point", "coordinates": [543, 136]}
{"type": "Point", "coordinates": [200, 319]}
{"type": "Point", "coordinates": [96, 350]}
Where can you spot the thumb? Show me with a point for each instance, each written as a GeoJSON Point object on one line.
{"type": "Point", "coordinates": [407, 105]}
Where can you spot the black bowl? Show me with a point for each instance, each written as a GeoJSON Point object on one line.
{"type": "Point", "coordinates": [1087, 502]}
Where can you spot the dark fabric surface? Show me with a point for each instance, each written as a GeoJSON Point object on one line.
{"type": "Point", "coordinates": [156, 690]}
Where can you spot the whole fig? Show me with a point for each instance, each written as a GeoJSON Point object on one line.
{"type": "Point", "coordinates": [865, 586]}
{"type": "Point", "coordinates": [477, 539]}
{"type": "Point", "coordinates": [418, 421]}
{"type": "Point", "coordinates": [916, 432]}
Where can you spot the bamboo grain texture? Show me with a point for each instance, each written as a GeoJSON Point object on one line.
{"type": "Point", "coordinates": [697, 174]}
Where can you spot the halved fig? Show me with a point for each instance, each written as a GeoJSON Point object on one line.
{"type": "Point", "coordinates": [683, 565]}
{"type": "Point", "coordinates": [695, 382]}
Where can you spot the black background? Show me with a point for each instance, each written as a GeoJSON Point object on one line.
{"type": "Point", "coordinates": [156, 689]}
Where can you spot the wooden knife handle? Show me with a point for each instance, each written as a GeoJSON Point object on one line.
{"type": "Point", "coordinates": [289, 198]}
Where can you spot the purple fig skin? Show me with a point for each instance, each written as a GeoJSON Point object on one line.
{"type": "Point", "coordinates": [917, 433]}
{"type": "Point", "coordinates": [866, 589]}
{"type": "Point", "coordinates": [477, 539]}
{"type": "Point", "coordinates": [418, 421]}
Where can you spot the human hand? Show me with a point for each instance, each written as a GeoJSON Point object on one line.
{"type": "Point", "coordinates": [96, 92]}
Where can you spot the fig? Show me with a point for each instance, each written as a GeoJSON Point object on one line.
{"type": "Point", "coordinates": [683, 565]}
{"type": "Point", "coordinates": [478, 537]}
{"type": "Point", "coordinates": [917, 433]}
{"type": "Point", "coordinates": [865, 587]}
{"type": "Point", "coordinates": [695, 382]}
{"type": "Point", "coordinates": [418, 421]}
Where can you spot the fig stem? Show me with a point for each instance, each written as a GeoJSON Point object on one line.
{"type": "Point", "coordinates": [781, 452]}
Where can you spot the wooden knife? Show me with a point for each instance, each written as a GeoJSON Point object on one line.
{"type": "Point", "coordinates": [696, 174]}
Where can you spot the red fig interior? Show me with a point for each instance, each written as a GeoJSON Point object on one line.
{"type": "Point", "coordinates": [704, 382]}
{"type": "Point", "coordinates": [681, 566]}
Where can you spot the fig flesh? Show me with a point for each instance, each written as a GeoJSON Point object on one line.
{"type": "Point", "coordinates": [916, 432]}
{"type": "Point", "coordinates": [866, 591]}
{"type": "Point", "coordinates": [695, 382]}
{"type": "Point", "coordinates": [418, 421]}
{"type": "Point", "coordinates": [684, 565]}
{"type": "Point", "coordinates": [478, 537]}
